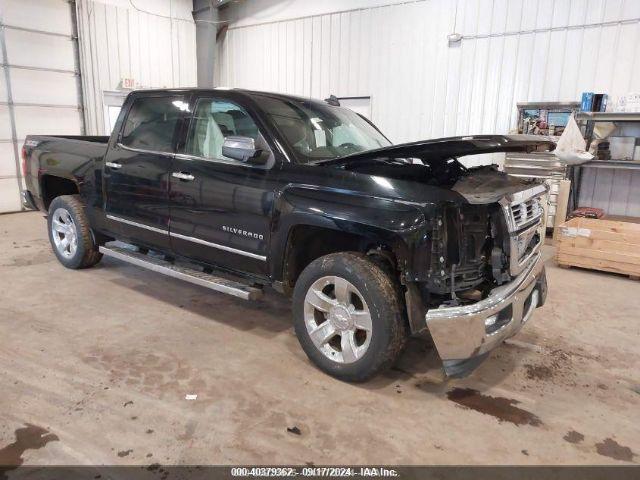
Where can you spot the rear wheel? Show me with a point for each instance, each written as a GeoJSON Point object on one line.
{"type": "Point", "coordinates": [69, 233]}
{"type": "Point", "coordinates": [348, 316]}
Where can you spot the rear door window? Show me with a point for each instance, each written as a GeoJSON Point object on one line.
{"type": "Point", "coordinates": [151, 123]}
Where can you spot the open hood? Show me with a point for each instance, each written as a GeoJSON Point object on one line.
{"type": "Point", "coordinates": [437, 164]}
{"type": "Point", "coordinates": [446, 148]}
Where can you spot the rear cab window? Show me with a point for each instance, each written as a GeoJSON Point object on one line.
{"type": "Point", "coordinates": [151, 123]}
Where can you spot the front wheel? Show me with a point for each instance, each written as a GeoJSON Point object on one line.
{"type": "Point", "coordinates": [348, 316]}
{"type": "Point", "coordinates": [69, 233]}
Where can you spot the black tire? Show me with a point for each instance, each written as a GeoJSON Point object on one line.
{"type": "Point", "coordinates": [378, 290]}
{"type": "Point", "coordinates": [86, 253]}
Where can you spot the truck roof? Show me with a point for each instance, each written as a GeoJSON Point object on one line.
{"type": "Point", "coordinates": [237, 92]}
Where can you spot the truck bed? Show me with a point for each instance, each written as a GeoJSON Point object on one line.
{"type": "Point", "coordinates": [62, 156]}
{"type": "Point", "coordinates": [83, 138]}
{"type": "Point", "coordinates": [75, 145]}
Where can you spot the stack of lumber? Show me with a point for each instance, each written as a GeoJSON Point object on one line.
{"type": "Point", "coordinates": [611, 244]}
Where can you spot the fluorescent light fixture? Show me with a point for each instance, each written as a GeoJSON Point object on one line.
{"type": "Point", "coordinates": [182, 106]}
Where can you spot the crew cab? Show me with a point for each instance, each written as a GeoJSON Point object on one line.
{"type": "Point", "coordinates": [236, 190]}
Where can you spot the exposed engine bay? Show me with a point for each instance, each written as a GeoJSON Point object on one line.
{"type": "Point", "coordinates": [477, 247]}
{"type": "Point", "coordinates": [486, 240]}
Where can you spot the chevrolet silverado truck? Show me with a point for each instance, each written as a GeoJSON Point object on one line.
{"type": "Point", "coordinates": [238, 190]}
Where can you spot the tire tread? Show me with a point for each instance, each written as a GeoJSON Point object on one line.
{"type": "Point", "coordinates": [91, 255]}
{"type": "Point", "coordinates": [386, 301]}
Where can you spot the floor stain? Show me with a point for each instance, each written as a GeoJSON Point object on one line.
{"type": "Point", "coordinates": [559, 366]}
{"type": "Point", "coordinates": [30, 437]}
{"type": "Point", "coordinates": [189, 430]}
{"type": "Point", "coordinates": [538, 372]}
{"type": "Point", "coordinates": [612, 449]}
{"type": "Point", "coordinates": [573, 437]}
{"type": "Point", "coordinates": [503, 409]}
{"type": "Point", "coordinates": [124, 453]}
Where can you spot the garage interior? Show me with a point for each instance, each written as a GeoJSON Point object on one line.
{"type": "Point", "coordinates": [116, 365]}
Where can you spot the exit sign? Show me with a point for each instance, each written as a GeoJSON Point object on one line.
{"type": "Point", "coordinates": [128, 83]}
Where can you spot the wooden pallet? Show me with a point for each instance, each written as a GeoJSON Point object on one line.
{"type": "Point", "coordinates": [611, 244]}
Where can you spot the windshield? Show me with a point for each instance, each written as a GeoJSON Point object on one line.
{"type": "Point", "coordinates": [315, 131]}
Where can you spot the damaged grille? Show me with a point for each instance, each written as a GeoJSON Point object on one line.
{"type": "Point", "coordinates": [523, 213]}
{"type": "Point", "coordinates": [476, 246]}
{"type": "Point", "coordinates": [526, 212]}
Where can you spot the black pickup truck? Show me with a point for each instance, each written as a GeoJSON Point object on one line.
{"type": "Point", "coordinates": [235, 190]}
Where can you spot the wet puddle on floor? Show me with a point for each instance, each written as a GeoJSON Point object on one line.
{"type": "Point", "coordinates": [503, 409]}
{"type": "Point", "coordinates": [612, 449]}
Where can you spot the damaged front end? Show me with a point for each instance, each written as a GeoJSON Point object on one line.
{"type": "Point", "coordinates": [475, 275]}
{"type": "Point", "coordinates": [486, 275]}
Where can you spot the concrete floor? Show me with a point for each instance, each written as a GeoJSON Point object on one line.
{"type": "Point", "coordinates": [95, 366]}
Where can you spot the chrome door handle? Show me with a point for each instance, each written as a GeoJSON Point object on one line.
{"type": "Point", "coordinates": [115, 165]}
{"type": "Point", "coordinates": [183, 176]}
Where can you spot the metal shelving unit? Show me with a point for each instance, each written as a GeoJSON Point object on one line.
{"type": "Point", "coordinates": [616, 164]}
{"type": "Point", "coordinates": [541, 165]}
{"type": "Point", "coordinates": [589, 119]}
{"type": "Point", "coordinates": [609, 116]}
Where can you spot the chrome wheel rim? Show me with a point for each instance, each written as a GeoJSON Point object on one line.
{"type": "Point", "coordinates": [337, 319]}
{"type": "Point", "coordinates": [64, 233]}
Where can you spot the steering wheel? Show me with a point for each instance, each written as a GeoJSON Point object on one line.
{"type": "Point", "coordinates": [349, 146]}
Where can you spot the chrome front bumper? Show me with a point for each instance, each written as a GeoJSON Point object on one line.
{"type": "Point", "coordinates": [465, 335]}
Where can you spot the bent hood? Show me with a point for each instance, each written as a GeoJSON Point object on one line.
{"type": "Point", "coordinates": [487, 185]}
{"type": "Point", "coordinates": [446, 148]}
{"type": "Point", "coordinates": [438, 166]}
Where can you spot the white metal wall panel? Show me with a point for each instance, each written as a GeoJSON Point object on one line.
{"type": "Point", "coordinates": [9, 194]}
{"type": "Point", "coordinates": [38, 38]}
{"type": "Point", "coordinates": [119, 41]}
{"type": "Point", "coordinates": [45, 121]}
{"type": "Point", "coordinates": [615, 191]}
{"type": "Point", "coordinates": [49, 15]}
{"type": "Point", "coordinates": [7, 164]}
{"type": "Point", "coordinates": [5, 123]}
{"type": "Point", "coordinates": [420, 87]}
{"type": "Point", "coordinates": [39, 50]}
{"type": "Point", "coordinates": [33, 86]}
{"type": "Point", "coordinates": [3, 87]}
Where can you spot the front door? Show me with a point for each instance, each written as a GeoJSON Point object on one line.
{"type": "Point", "coordinates": [220, 207]}
{"type": "Point", "coordinates": [137, 170]}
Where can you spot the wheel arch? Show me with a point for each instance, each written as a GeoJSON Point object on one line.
{"type": "Point", "coordinates": [312, 223]}
{"type": "Point", "coordinates": [52, 186]}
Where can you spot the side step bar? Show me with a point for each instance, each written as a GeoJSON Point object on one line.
{"type": "Point", "coordinates": [190, 275]}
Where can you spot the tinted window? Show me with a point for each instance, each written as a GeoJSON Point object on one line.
{"type": "Point", "coordinates": [213, 121]}
{"type": "Point", "coordinates": [317, 131]}
{"type": "Point", "coordinates": [151, 123]}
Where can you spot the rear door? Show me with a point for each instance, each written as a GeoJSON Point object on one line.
{"type": "Point", "coordinates": [137, 169]}
{"type": "Point", "coordinates": [221, 208]}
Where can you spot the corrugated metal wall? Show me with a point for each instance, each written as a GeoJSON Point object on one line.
{"type": "Point", "coordinates": [119, 41]}
{"type": "Point", "coordinates": [39, 91]}
{"type": "Point", "coordinates": [513, 51]}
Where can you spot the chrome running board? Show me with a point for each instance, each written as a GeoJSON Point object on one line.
{"type": "Point", "coordinates": [187, 274]}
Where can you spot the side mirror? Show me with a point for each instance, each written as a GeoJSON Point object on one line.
{"type": "Point", "coordinates": [243, 149]}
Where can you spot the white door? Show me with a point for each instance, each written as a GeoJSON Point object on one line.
{"type": "Point", "coordinates": [39, 83]}
{"type": "Point", "coordinates": [113, 101]}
